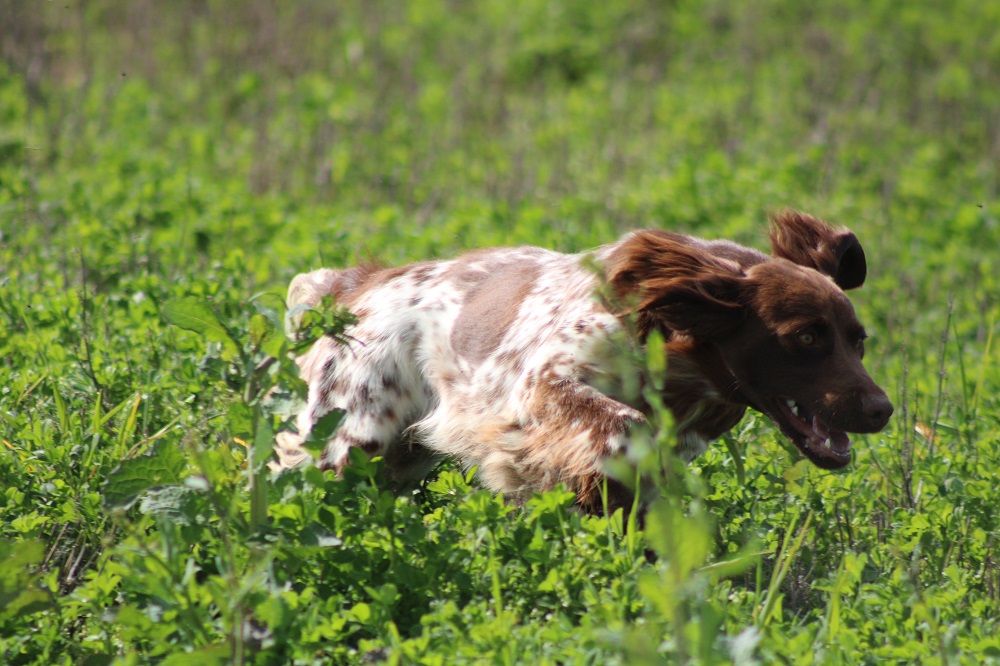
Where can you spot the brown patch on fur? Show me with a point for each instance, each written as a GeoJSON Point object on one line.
{"type": "Point", "coordinates": [788, 298]}
{"type": "Point", "coordinates": [811, 242]}
{"type": "Point", "coordinates": [493, 431]}
{"type": "Point", "coordinates": [673, 284]}
{"type": "Point", "coordinates": [369, 446]}
{"type": "Point", "coordinates": [390, 384]}
{"type": "Point", "coordinates": [695, 389]}
{"type": "Point", "coordinates": [570, 435]}
{"type": "Point", "coordinates": [361, 401]}
{"type": "Point", "coordinates": [569, 406]}
{"type": "Point", "coordinates": [375, 276]}
{"type": "Point", "coordinates": [490, 308]}
{"type": "Point", "coordinates": [421, 273]}
{"type": "Point", "coordinates": [351, 279]}
{"type": "Point", "coordinates": [311, 288]}
{"type": "Point", "coordinates": [742, 256]}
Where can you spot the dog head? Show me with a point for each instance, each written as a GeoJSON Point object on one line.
{"type": "Point", "coordinates": [777, 333]}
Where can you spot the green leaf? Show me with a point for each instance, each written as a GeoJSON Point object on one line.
{"type": "Point", "coordinates": [128, 428]}
{"type": "Point", "coordinates": [656, 359]}
{"type": "Point", "coordinates": [240, 420]}
{"type": "Point", "coordinates": [737, 456]}
{"type": "Point", "coordinates": [362, 612]}
{"type": "Point", "coordinates": [195, 315]}
{"type": "Point", "coordinates": [161, 467]}
{"type": "Point", "coordinates": [737, 563]}
{"type": "Point", "coordinates": [171, 501]}
{"type": "Point", "coordinates": [322, 431]}
{"type": "Point", "coordinates": [260, 327]}
{"type": "Point", "coordinates": [685, 541]}
{"type": "Point", "coordinates": [660, 591]}
{"type": "Point", "coordinates": [19, 593]}
{"type": "Point", "coordinates": [263, 443]}
{"type": "Point", "coordinates": [206, 656]}
{"type": "Point", "coordinates": [283, 403]}
{"type": "Point", "coordinates": [274, 343]}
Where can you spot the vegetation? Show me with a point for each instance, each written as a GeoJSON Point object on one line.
{"type": "Point", "coordinates": [166, 168]}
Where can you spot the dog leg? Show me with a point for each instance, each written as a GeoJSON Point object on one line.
{"type": "Point", "coordinates": [572, 429]}
{"type": "Point", "coordinates": [380, 390]}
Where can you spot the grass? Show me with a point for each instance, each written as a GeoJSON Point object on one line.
{"type": "Point", "coordinates": [166, 169]}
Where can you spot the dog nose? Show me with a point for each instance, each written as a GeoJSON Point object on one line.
{"type": "Point", "coordinates": [877, 409]}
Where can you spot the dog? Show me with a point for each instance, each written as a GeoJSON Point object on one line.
{"type": "Point", "coordinates": [509, 359]}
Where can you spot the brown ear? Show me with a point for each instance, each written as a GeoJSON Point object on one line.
{"type": "Point", "coordinates": [810, 242]}
{"type": "Point", "coordinates": [671, 284]}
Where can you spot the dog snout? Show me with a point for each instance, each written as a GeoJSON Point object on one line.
{"type": "Point", "coordinates": [876, 409]}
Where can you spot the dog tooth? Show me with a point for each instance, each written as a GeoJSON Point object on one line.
{"type": "Point", "coordinates": [826, 443]}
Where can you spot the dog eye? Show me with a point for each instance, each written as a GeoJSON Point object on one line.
{"type": "Point", "coordinates": [806, 338]}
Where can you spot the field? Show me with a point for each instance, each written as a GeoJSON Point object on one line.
{"type": "Point", "coordinates": [166, 168]}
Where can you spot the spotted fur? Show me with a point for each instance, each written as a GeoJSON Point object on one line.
{"type": "Point", "coordinates": [508, 359]}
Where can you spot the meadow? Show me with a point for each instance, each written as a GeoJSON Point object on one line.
{"type": "Point", "coordinates": [166, 168]}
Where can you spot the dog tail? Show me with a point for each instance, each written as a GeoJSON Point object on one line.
{"type": "Point", "coordinates": [306, 290]}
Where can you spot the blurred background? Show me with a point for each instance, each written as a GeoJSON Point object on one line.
{"type": "Point", "coordinates": [574, 112]}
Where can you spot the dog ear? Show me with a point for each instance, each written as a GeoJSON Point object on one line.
{"type": "Point", "coordinates": [810, 242]}
{"type": "Point", "coordinates": [671, 284]}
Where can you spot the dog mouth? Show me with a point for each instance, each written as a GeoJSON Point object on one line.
{"type": "Point", "coordinates": [824, 445]}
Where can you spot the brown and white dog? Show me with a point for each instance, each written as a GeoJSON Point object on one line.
{"type": "Point", "coordinates": [508, 359]}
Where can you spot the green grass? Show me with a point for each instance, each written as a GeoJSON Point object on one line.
{"type": "Point", "coordinates": [165, 160]}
